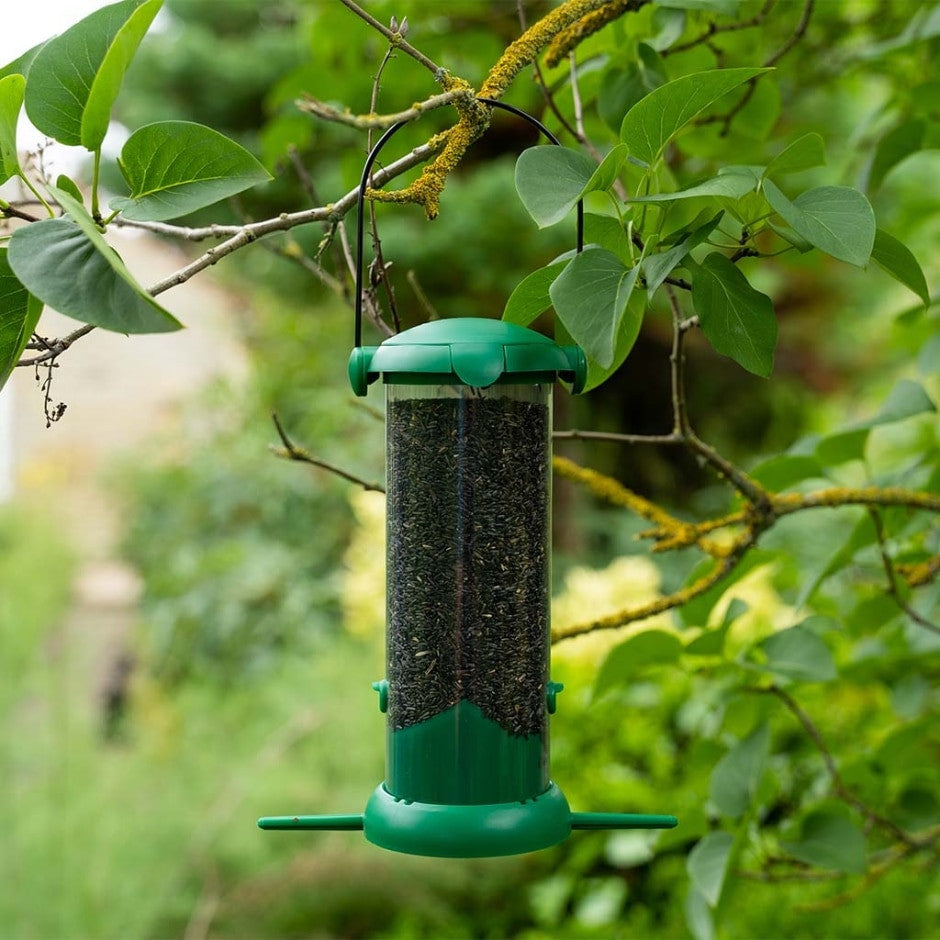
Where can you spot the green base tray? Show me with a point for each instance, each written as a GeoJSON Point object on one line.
{"type": "Point", "coordinates": [471, 831]}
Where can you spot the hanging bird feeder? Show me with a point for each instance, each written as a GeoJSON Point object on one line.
{"type": "Point", "coordinates": [467, 693]}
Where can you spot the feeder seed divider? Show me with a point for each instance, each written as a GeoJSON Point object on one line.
{"type": "Point", "coordinates": [468, 694]}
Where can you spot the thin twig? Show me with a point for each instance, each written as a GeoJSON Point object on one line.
{"type": "Point", "coordinates": [893, 588]}
{"type": "Point", "coordinates": [573, 434]}
{"type": "Point", "coordinates": [372, 121]}
{"type": "Point", "coordinates": [396, 39]}
{"type": "Point", "coordinates": [798, 34]}
{"type": "Point", "coordinates": [680, 415]}
{"type": "Point", "coordinates": [291, 451]}
{"type": "Point", "coordinates": [378, 265]}
{"type": "Point", "coordinates": [715, 28]}
{"type": "Point", "coordinates": [540, 79]}
{"type": "Point", "coordinates": [56, 347]}
{"type": "Point", "coordinates": [423, 299]}
{"type": "Point", "coordinates": [838, 784]}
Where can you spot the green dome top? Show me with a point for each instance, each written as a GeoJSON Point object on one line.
{"type": "Point", "coordinates": [467, 351]}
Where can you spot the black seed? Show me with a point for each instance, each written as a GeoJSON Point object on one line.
{"type": "Point", "coordinates": [468, 483]}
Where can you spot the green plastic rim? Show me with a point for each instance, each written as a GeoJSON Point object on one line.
{"type": "Point", "coordinates": [476, 831]}
{"type": "Point", "coordinates": [467, 351]}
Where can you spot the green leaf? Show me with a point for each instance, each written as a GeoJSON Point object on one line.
{"type": "Point", "coordinates": [863, 533]}
{"type": "Point", "coordinates": [652, 122]}
{"type": "Point", "coordinates": [68, 185]}
{"type": "Point", "coordinates": [725, 7]}
{"type": "Point", "coordinates": [550, 180]}
{"type": "Point", "coordinates": [906, 399]}
{"type": "Point", "coordinates": [711, 642]}
{"type": "Point", "coordinates": [176, 167]}
{"type": "Point", "coordinates": [760, 113]}
{"type": "Point", "coordinates": [736, 777]}
{"type": "Point", "coordinates": [12, 89]}
{"type": "Point", "coordinates": [899, 261]}
{"type": "Point", "coordinates": [736, 319]}
{"type": "Point", "coordinates": [21, 64]}
{"type": "Point", "coordinates": [657, 267]}
{"type": "Point", "coordinates": [626, 337]}
{"type": "Point", "coordinates": [896, 145]}
{"type": "Point", "coordinates": [607, 232]}
{"type": "Point", "coordinates": [669, 25]}
{"type": "Point", "coordinates": [75, 78]}
{"type": "Point", "coordinates": [838, 220]}
{"type": "Point", "coordinates": [590, 298]}
{"type": "Point", "coordinates": [829, 840]}
{"type": "Point", "coordinates": [648, 648]}
{"type": "Point", "coordinates": [707, 865]}
{"type": "Point", "coordinates": [730, 185]}
{"type": "Point", "coordinates": [798, 653]}
{"type": "Point", "coordinates": [697, 611]}
{"type": "Point", "coordinates": [622, 88]}
{"type": "Point", "coordinates": [698, 916]}
{"type": "Point", "coordinates": [606, 173]}
{"type": "Point", "coordinates": [531, 297]}
{"type": "Point", "coordinates": [928, 360]}
{"type": "Point", "coordinates": [69, 266]}
{"type": "Point", "coordinates": [918, 808]}
{"type": "Point", "coordinates": [791, 237]}
{"type": "Point", "coordinates": [19, 314]}
{"type": "Point", "coordinates": [805, 152]}
{"type": "Point", "coordinates": [783, 471]}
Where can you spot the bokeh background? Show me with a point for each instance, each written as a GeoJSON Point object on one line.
{"type": "Point", "coordinates": [189, 626]}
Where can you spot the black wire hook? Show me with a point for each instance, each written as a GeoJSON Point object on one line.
{"type": "Point", "coordinates": [364, 183]}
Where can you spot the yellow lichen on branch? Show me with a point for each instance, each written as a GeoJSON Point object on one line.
{"type": "Point", "coordinates": [586, 26]}
{"type": "Point", "coordinates": [522, 51]}
{"type": "Point", "coordinates": [475, 117]}
{"type": "Point", "coordinates": [427, 188]}
{"type": "Point", "coordinates": [670, 533]}
{"type": "Point", "coordinates": [749, 524]}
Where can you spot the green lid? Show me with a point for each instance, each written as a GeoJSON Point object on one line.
{"type": "Point", "coordinates": [467, 351]}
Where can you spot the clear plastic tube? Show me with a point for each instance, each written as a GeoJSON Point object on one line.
{"type": "Point", "coordinates": [469, 528]}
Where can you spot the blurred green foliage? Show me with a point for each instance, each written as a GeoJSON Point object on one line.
{"type": "Point", "coordinates": [252, 696]}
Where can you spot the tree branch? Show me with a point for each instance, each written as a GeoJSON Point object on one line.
{"type": "Point", "coordinates": [894, 588]}
{"type": "Point", "coordinates": [396, 39]}
{"type": "Point", "coordinates": [838, 784]}
{"type": "Point", "coordinates": [291, 451]}
{"type": "Point", "coordinates": [372, 120]}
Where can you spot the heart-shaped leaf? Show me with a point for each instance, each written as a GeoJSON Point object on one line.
{"type": "Point", "coordinates": [590, 297]}
{"type": "Point", "coordinates": [19, 313]}
{"type": "Point", "coordinates": [69, 266]}
{"type": "Point", "coordinates": [176, 167]}
{"type": "Point", "coordinates": [12, 89]}
{"type": "Point", "coordinates": [838, 220]}
{"type": "Point", "coordinates": [75, 78]}
{"type": "Point", "coordinates": [652, 122]}
{"type": "Point", "coordinates": [551, 179]}
{"type": "Point", "coordinates": [736, 319]}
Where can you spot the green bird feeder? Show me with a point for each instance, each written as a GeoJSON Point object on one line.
{"type": "Point", "coordinates": [467, 694]}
